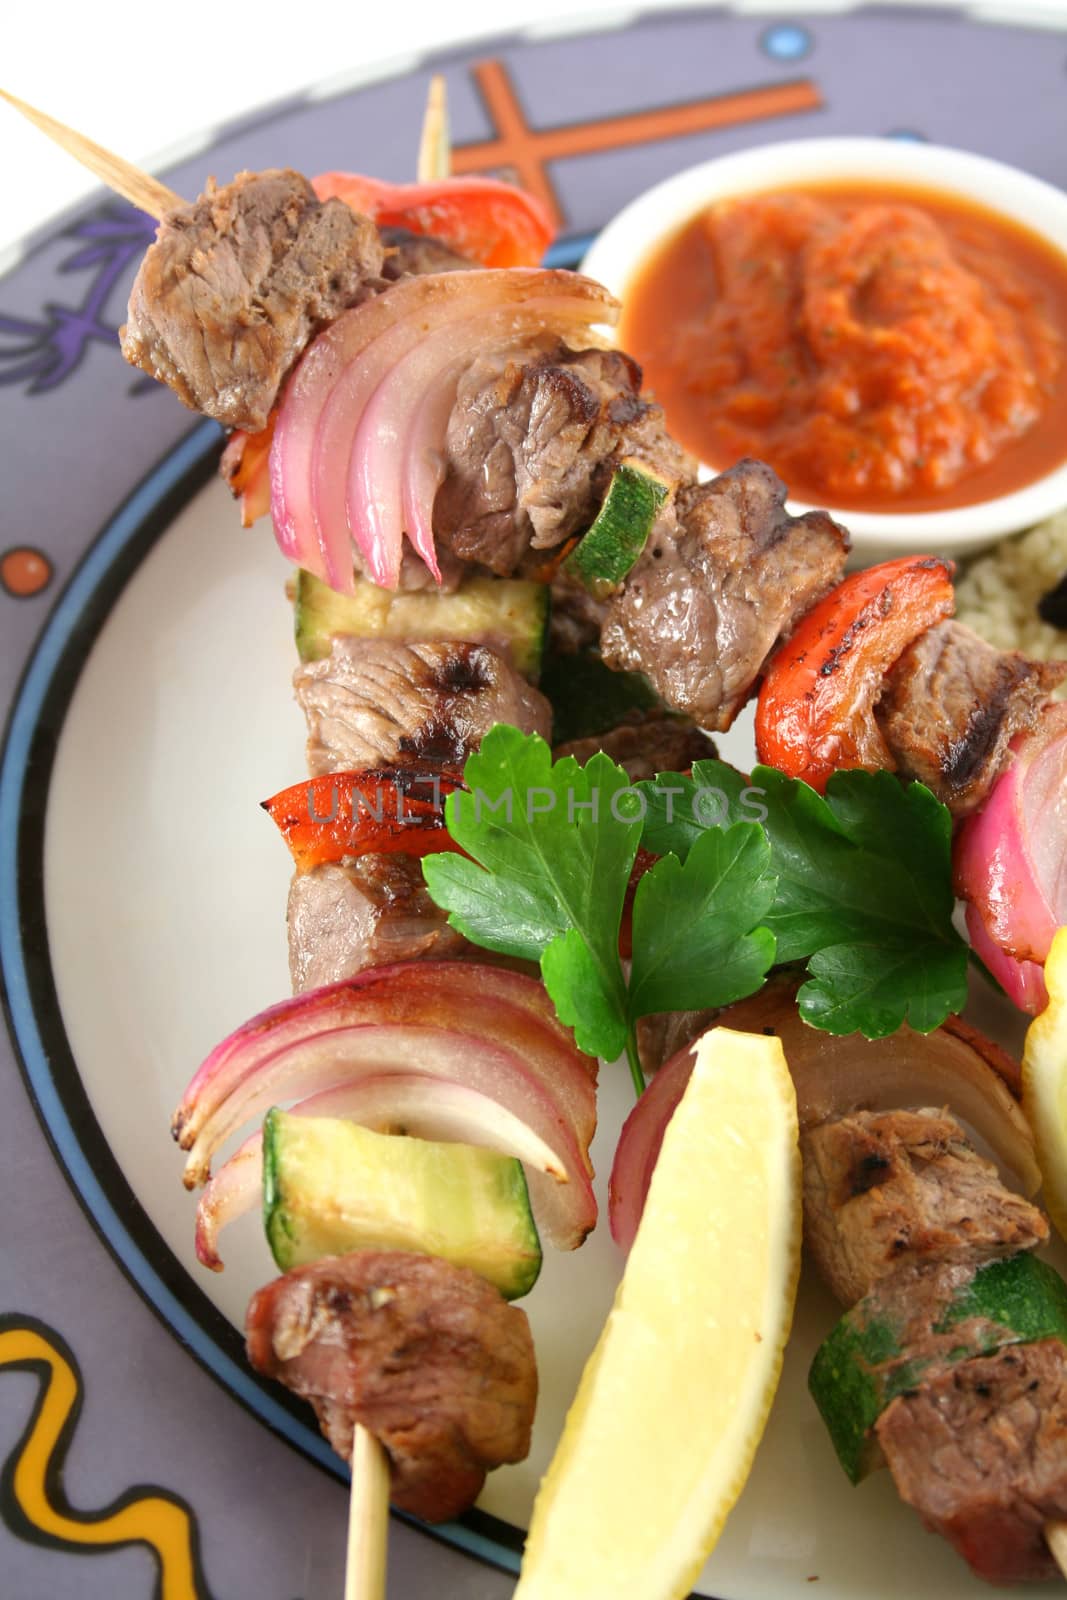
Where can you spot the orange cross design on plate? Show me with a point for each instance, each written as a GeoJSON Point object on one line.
{"type": "Point", "coordinates": [525, 152]}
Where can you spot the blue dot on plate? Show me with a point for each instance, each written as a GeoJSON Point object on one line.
{"type": "Point", "coordinates": [786, 41]}
{"type": "Point", "coordinates": [907, 136]}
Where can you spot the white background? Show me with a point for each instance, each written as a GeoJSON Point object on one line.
{"type": "Point", "coordinates": [139, 75]}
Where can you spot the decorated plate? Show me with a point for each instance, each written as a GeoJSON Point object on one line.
{"type": "Point", "coordinates": [145, 656]}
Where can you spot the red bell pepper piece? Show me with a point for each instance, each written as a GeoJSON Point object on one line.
{"type": "Point", "coordinates": [386, 809]}
{"type": "Point", "coordinates": [245, 465]}
{"type": "Point", "coordinates": [494, 223]}
{"type": "Point", "coordinates": [815, 713]}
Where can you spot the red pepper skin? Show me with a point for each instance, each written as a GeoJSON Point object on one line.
{"type": "Point", "coordinates": [815, 713]}
{"type": "Point", "coordinates": [388, 809]}
{"type": "Point", "coordinates": [245, 466]}
{"type": "Point", "coordinates": [494, 223]}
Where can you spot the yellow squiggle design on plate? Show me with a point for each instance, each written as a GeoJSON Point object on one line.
{"type": "Point", "coordinates": [31, 1493]}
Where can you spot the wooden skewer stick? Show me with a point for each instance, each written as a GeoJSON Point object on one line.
{"type": "Point", "coordinates": [139, 188]}
{"type": "Point", "coordinates": [368, 1519]}
{"type": "Point", "coordinates": [1056, 1539]}
{"type": "Point", "coordinates": [368, 1506]}
{"type": "Point", "coordinates": [435, 146]}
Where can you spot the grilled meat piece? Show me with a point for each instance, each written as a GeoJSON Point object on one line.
{"type": "Point", "coordinates": [981, 1453]}
{"type": "Point", "coordinates": [416, 255]}
{"type": "Point", "coordinates": [530, 448]}
{"type": "Point", "coordinates": [428, 1356]}
{"type": "Point", "coordinates": [378, 702]}
{"type": "Point", "coordinates": [647, 743]}
{"type": "Point", "coordinates": [951, 706]}
{"type": "Point", "coordinates": [235, 286]}
{"type": "Point", "coordinates": [725, 575]}
{"type": "Point", "coordinates": [887, 1189]}
{"type": "Point", "coordinates": [346, 916]}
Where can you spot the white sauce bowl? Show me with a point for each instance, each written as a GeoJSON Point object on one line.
{"type": "Point", "coordinates": [624, 246]}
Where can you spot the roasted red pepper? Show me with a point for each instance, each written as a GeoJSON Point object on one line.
{"type": "Point", "coordinates": [494, 223]}
{"type": "Point", "coordinates": [815, 713]}
{"type": "Point", "coordinates": [386, 809]}
{"type": "Point", "coordinates": [245, 465]}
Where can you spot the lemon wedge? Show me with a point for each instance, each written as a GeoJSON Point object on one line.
{"type": "Point", "coordinates": [1045, 1084]}
{"type": "Point", "coordinates": [675, 1397]}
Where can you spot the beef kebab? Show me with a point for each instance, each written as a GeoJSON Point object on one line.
{"type": "Point", "coordinates": [418, 1353]}
{"type": "Point", "coordinates": [422, 1352]}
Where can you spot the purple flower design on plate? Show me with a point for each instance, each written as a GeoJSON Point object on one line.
{"type": "Point", "coordinates": [43, 353]}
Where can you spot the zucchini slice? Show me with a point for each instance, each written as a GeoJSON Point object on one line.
{"type": "Point", "coordinates": [509, 614]}
{"type": "Point", "coordinates": [605, 554]}
{"type": "Point", "coordinates": [331, 1186]}
{"type": "Point", "coordinates": [864, 1364]}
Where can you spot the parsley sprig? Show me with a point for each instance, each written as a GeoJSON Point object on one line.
{"type": "Point", "coordinates": [552, 847]}
{"type": "Point", "coordinates": [864, 887]}
{"type": "Point", "coordinates": [753, 872]}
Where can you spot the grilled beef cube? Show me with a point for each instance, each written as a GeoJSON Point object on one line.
{"type": "Point", "coordinates": [379, 702]}
{"type": "Point", "coordinates": [346, 916]}
{"type": "Point", "coordinates": [416, 255]}
{"type": "Point", "coordinates": [530, 448]}
{"type": "Point", "coordinates": [235, 286]}
{"type": "Point", "coordinates": [648, 742]}
{"type": "Point", "coordinates": [951, 706]}
{"type": "Point", "coordinates": [725, 575]}
{"type": "Point", "coordinates": [885, 1189]}
{"type": "Point", "coordinates": [980, 1452]}
{"type": "Point", "coordinates": [428, 1356]}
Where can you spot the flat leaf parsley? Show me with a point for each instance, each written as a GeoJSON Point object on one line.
{"type": "Point", "coordinates": [864, 887]}
{"type": "Point", "coordinates": [857, 885]}
{"type": "Point", "coordinates": [552, 848]}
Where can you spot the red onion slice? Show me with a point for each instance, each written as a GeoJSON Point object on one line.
{"type": "Point", "coordinates": [378, 536]}
{"type": "Point", "coordinates": [410, 1018]}
{"type": "Point", "coordinates": [321, 499]}
{"type": "Point", "coordinates": [1011, 858]}
{"type": "Point", "coordinates": [427, 1107]}
{"type": "Point", "coordinates": [1022, 981]}
{"type": "Point", "coordinates": [515, 1012]}
{"type": "Point", "coordinates": [406, 417]}
{"type": "Point", "coordinates": [639, 1144]}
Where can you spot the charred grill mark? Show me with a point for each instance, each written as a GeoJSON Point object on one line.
{"type": "Point", "coordinates": [870, 1171]}
{"type": "Point", "coordinates": [965, 756]}
{"type": "Point", "coordinates": [439, 739]}
{"type": "Point", "coordinates": [445, 735]}
{"type": "Point", "coordinates": [460, 672]}
{"type": "Point", "coordinates": [837, 654]}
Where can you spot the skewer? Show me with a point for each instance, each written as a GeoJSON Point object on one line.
{"type": "Point", "coordinates": [435, 146]}
{"type": "Point", "coordinates": [139, 188]}
{"type": "Point", "coordinates": [368, 1519]}
{"type": "Point", "coordinates": [1056, 1539]}
{"type": "Point", "coordinates": [368, 1506]}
